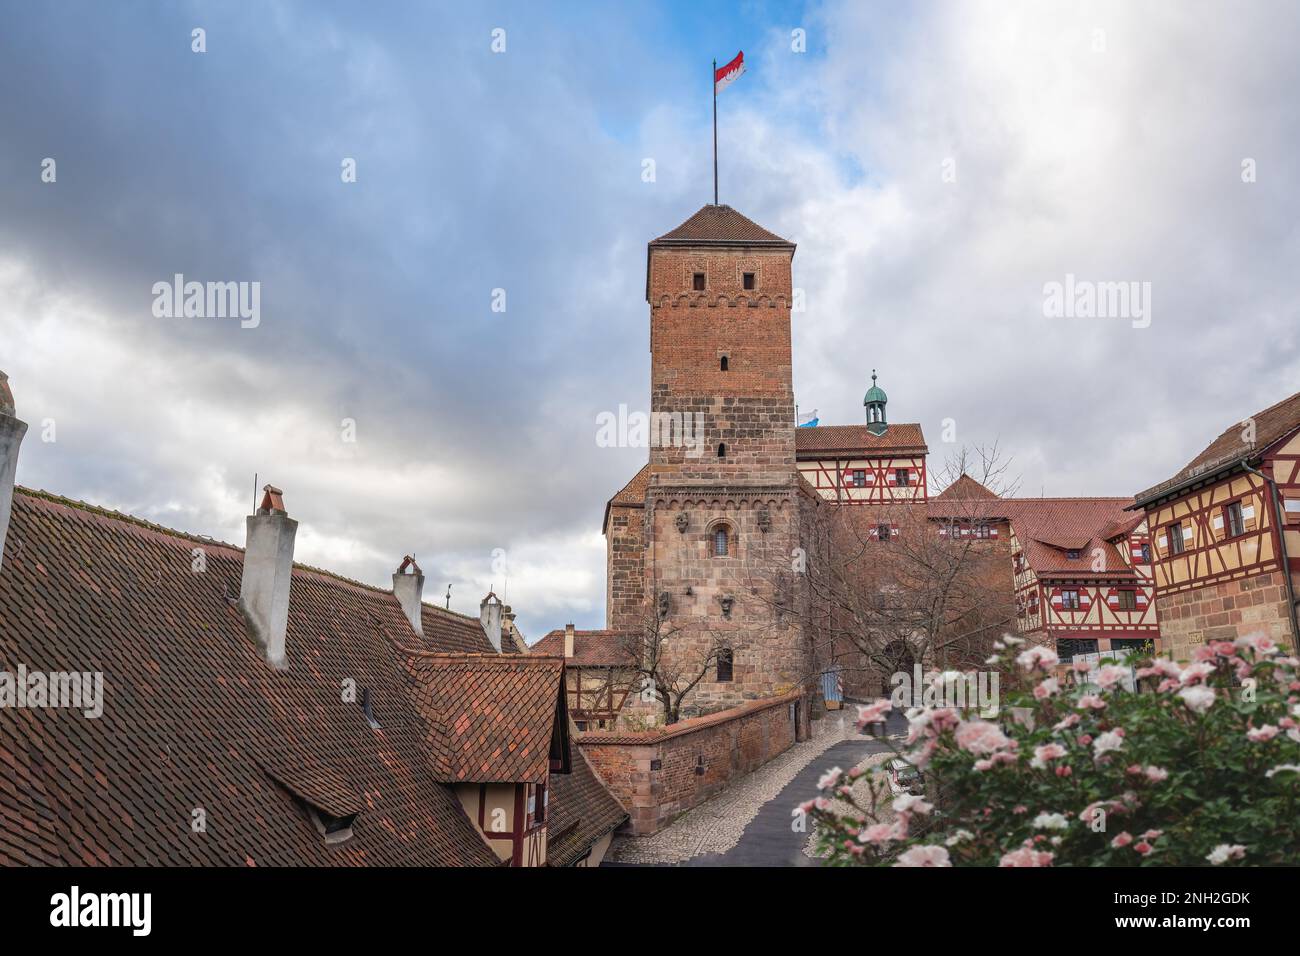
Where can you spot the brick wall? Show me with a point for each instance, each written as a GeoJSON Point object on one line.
{"type": "Point", "coordinates": [658, 775]}
{"type": "Point", "coordinates": [1224, 612]}
{"type": "Point", "coordinates": [624, 584]}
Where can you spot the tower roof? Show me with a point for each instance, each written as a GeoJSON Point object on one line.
{"type": "Point", "coordinates": [720, 225]}
{"type": "Point", "coordinates": [875, 393]}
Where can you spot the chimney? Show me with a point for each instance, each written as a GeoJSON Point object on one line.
{"type": "Point", "coordinates": [268, 567]}
{"type": "Point", "coordinates": [489, 615]}
{"type": "Point", "coordinates": [409, 591]}
{"type": "Point", "coordinates": [568, 641]}
{"type": "Point", "coordinates": [11, 436]}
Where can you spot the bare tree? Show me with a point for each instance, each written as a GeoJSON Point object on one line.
{"type": "Point", "coordinates": [892, 585]}
{"type": "Point", "coordinates": [669, 669]}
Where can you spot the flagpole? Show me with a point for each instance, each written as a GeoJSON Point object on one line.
{"type": "Point", "coordinates": [713, 80]}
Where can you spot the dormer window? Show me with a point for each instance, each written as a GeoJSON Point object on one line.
{"type": "Point", "coordinates": [367, 708]}
{"type": "Point", "coordinates": [1072, 554]}
{"type": "Point", "coordinates": [747, 280]}
{"type": "Point", "coordinates": [697, 282]}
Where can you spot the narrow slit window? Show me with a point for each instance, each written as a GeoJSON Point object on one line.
{"type": "Point", "coordinates": [725, 661]}
{"type": "Point", "coordinates": [723, 363]}
{"type": "Point", "coordinates": [720, 543]}
{"type": "Point", "coordinates": [722, 450]}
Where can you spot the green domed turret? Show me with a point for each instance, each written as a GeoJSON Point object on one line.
{"type": "Point", "coordinates": [874, 402]}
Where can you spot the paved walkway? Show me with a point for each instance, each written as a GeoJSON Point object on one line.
{"type": "Point", "coordinates": [749, 823]}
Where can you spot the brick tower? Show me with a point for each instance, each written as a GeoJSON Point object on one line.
{"type": "Point", "coordinates": [720, 501]}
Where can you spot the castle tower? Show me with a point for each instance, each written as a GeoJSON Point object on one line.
{"type": "Point", "coordinates": [722, 501]}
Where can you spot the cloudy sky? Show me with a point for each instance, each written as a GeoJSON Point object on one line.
{"type": "Point", "coordinates": [938, 165]}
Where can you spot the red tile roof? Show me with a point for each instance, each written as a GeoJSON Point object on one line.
{"type": "Point", "coordinates": [1047, 528]}
{"type": "Point", "coordinates": [491, 718]}
{"type": "Point", "coordinates": [822, 440]}
{"type": "Point", "coordinates": [720, 224]}
{"type": "Point", "coordinates": [449, 632]}
{"type": "Point", "coordinates": [965, 488]}
{"type": "Point", "coordinates": [631, 495]}
{"type": "Point", "coordinates": [582, 811]}
{"type": "Point", "coordinates": [590, 648]}
{"type": "Point", "coordinates": [1273, 423]}
{"type": "Point", "coordinates": [194, 718]}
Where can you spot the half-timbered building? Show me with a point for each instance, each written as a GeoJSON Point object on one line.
{"type": "Point", "coordinates": [871, 464]}
{"type": "Point", "coordinates": [600, 672]}
{"type": "Point", "coordinates": [1226, 534]}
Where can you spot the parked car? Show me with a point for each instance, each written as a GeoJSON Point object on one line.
{"type": "Point", "coordinates": [904, 778]}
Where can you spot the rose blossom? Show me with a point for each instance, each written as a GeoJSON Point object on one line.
{"type": "Point", "coordinates": [912, 804]}
{"type": "Point", "coordinates": [1026, 856]}
{"type": "Point", "coordinates": [874, 713]}
{"type": "Point", "coordinates": [1038, 658]}
{"type": "Point", "coordinates": [1110, 740]}
{"type": "Point", "coordinates": [981, 737]}
{"type": "Point", "coordinates": [830, 778]}
{"type": "Point", "coordinates": [924, 856]}
{"type": "Point", "coordinates": [1261, 734]}
{"type": "Point", "coordinates": [1225, 852]}
{"type": "Point", "coordinates": [1045, 753]}
{"type": "Point", "coordinates": [1122, 839]}
{"type": "Point", "coordinates": [1110, 675]}
{"type": "Point", "coordinates": [1197, 698]}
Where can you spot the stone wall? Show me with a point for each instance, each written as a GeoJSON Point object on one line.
{"type": "Point", "coordinates": [658, 775]}
{"type": "Point", "coordinates": [1224, 612]}
{"type": "Point", "coordinates": [624, 568]}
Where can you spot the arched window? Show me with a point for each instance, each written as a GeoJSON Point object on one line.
{"type": "Point", "coordinates": [723, 363]}
{"type": "Point", "coordinates": [721, 545]}
{"type": "Point", "coordinates": [722, 451]}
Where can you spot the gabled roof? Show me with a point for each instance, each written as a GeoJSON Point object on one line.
{"type": "Point", "coordinates": [449, 632]}
{"type": "Point", "coordinates": [193, 717]}
{"type": "Point", "coordinates": [1047, 528]}
{"type": "Point", "coordinates": [582, 811]}
{"type": "Point", "coordinates": [965, 488]}
{"type": "Point", "coordinates": [720, 225]}
{"type": "Point", "coordinates": [590, 648]}
{"type": "Point", "coordinates": [492, 718]}
{"type": "Point", "coordinates": [1225, 452]}
{"type": "Point", "coordinates": [855, 440]}
{"type": "Point", "coordinates": [631, 495]}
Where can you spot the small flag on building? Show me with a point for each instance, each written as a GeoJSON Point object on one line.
{"type": "Point", "coordinates": [726, 75]}
{"type": "Point", "coordinates": [808, 421]}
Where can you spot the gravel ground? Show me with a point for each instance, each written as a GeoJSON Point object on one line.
{"type": "Point", "coordinates": [716, 825]}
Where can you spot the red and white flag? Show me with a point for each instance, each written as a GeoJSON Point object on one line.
{"type": "Point", "coordinates": [723, 76]}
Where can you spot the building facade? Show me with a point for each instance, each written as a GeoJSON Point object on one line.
{"type": "Point", "coordinates": [1226, 530]}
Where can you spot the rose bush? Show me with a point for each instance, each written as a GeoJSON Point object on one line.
{"type": "Point", "coordinates": [1199, 766]}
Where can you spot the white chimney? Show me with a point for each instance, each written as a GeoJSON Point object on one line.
{"type": "Point", "coordinates": [268, 568]}
{"type": "Point", "coordinates": [489, 615]}
{"type": "Point", "coordinates": [568, 641]}
{"type": "Point", "coordinates": [409, 591]}
{"type": "Point", "coordinates": [11, 436]}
